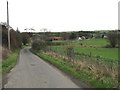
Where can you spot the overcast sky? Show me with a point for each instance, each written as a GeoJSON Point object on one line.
{"type": "Point", "coordinates": [61, 15]}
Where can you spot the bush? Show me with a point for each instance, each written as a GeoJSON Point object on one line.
{"type": "Point", "coordinates": [72, 36]}
{"type": "Point", "coordinates": [113, 38]}
{"type": "Point", "coordinates": [38, 44]}
{"type": "Point", "coordinates": [25, 38]}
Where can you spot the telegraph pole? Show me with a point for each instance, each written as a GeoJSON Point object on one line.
{"type": "Point", "coordinates": [8, 27]}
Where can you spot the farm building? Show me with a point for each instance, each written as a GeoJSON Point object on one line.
{"type": "Point", "coordinates": [56, 38]}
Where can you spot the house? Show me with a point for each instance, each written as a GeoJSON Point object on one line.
{"type": "Point", "coordinates": [83, 37]}
{"type": "Point", "coordinates": [105, 37]}
{"type": "Point", "coordinates": [79, 38]}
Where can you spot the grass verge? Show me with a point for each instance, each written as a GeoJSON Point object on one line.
{"type": "Point", "coordinates": [82, 75]}
{"type": "Point", "coordinates": [9, 62]}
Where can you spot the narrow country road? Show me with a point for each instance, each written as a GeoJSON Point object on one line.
{"type": "Point", "coordinates": [33, 72]}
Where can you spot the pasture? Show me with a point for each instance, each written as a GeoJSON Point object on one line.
{"type": "Point", "coordinates": [93, 47]}
{"type": "Point", "coordinates": [95, 42]}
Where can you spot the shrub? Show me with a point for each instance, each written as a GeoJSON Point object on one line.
{"type": "Point", "coordinates": [72, 36]}
{"type": "Point", "coordinates": [25, 38]}
{"type": "Point", "coordinates": [40, 42]}
{"type": "Point", "coordinates": [113, 38]}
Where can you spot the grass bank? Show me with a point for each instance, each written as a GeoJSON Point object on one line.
{"type": "Point", "coordinates": [9, 62]}
{"type": "Point", "coordinates": [83, 75]}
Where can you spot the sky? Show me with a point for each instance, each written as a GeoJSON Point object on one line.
{"type": "Point", "coordinates": [61, 15]}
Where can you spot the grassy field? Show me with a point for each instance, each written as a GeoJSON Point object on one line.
{"type": "Point", "coordinates": [96, 42]}
{"type": "Point", "coordinates": [101, 51]}
{"type": "Point", "coordinates": [9, 62]}
{"type": "Point", "coordinates": [107, 53]}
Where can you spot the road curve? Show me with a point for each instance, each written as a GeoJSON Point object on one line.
{"type": "Point", "coordinates": [33, 72]}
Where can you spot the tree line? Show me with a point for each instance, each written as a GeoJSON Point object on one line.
{"type": "Point", "coordinates": [17, 39]}
{"type": "Point", "coordinates": [42, 40]}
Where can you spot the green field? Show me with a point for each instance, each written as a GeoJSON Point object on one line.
{"type": "Point", "coordinates": [108, 53]}
{"type": "Point", "coordinates": [96, 42]}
